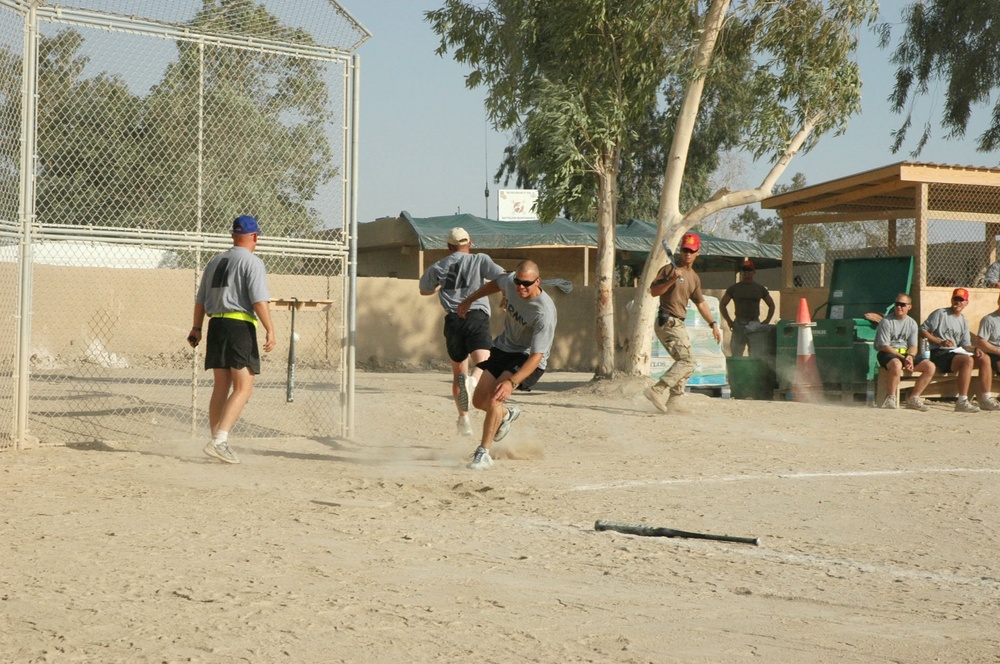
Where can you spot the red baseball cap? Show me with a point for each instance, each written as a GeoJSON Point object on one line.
{"type": "Point", "coordinates": [691, 241]}
{"type": "Point", "coordinates": [961, 293]}
{"type": "Point", "coordinates": [748, 263]}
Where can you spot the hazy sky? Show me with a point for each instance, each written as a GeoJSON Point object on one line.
{"type": "Point", "coordinates": [425, 147]}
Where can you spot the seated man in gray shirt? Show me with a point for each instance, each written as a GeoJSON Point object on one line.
{"type": "Point", "coordinates": [896, 343]}
{"type": "Point", "coordinates": [988, 341]}
{"type": "Point", "coordinates": [947, 330]}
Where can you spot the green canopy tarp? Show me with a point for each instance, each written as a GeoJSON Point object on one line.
{"type": "Point", "coordinates": [633, 239]}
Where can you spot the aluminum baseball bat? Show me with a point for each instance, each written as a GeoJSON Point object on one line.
{"type": "Point", "coordinates": [651, 531]}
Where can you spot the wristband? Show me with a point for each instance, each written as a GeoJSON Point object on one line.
{"type": "Point", "coordinates": [713, 323]}
{"type": "Point", "coordinates": [513, 384]}
{"type": "Point", "coordinates": [196, 329]}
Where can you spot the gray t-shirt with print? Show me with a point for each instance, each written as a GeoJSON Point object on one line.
{"type": "Point", "coordinates": [233, 281]}
{"type": "Point", "coordinates": [989, 328]}
{"type": "Point", "coordinates": [530, 325]}
{"type": "Point", "coordinates": [460, 275]}
{"type": "Point", "coordinates": [896, 333]}
{"type": "Point", "coordinates": [941, 323]}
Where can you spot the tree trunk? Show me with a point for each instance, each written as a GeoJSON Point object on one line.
{"type": "Point", "coordinates": [605, 304]}
{"type": "Point", "coordinates": [671, 224]}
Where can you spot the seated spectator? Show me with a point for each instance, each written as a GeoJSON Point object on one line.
{"type": "Point", "coordinates": [896, 343]}
{"type": "Point", "coordinates": [947, 330]}
{"type": "Point", "coordinates": [989, 342]}
{"type": "Point", "coordinates": [992, 278]}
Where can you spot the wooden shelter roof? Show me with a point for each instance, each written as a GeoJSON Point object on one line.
{"type": "Point", "coordinates": [891, 192]}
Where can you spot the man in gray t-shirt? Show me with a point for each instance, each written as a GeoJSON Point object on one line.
{"type": "Point", "coordinates": [233, 294]}
{"type": "Point", "coordinates": [453, 278]}
{"type": "Point", "coordinates": [519, 355]}
{"type": "Point", "coordinates": [952, 351]}
{"type": "Point", "coordinates": [988, 341]}
{"type": "Point", "coordinates": [896, 343]}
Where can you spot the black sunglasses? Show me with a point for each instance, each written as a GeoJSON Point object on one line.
{"type": "Point", "coordinates": [525, 284]}
{"type": "Point", "coordinates": [902, 304]}
{"type": "Point", "coordinates": [688, 251]}
{"type": "Point", "coordinates": [746, 269]}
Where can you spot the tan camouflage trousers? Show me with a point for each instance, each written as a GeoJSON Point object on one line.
{"type": "Point", "coordinates": [675, 339]}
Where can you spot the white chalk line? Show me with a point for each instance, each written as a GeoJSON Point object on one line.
{"type": "Point", "coordinates": [629, 484]}
{"type": "Point", "coordinates": [807, 560]}
{"type": "Point", "coordinates": [943, 578]}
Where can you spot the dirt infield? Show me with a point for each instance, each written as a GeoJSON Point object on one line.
{"type": "Point", "coordinates": [879, 537]}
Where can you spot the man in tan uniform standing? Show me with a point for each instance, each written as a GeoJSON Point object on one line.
{"type": "Point", "coordinates": [675, 285]}
{"type": "Point", "coordinates": [746, 296]}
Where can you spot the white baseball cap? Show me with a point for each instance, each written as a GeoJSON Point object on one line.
{"type": "Point", "coordinates": [458, 236]}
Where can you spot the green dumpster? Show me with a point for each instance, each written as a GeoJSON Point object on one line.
{"type": "Point", "coordinates": [844, 340]}
{"type": "Point", "coordinates": [751, 378]}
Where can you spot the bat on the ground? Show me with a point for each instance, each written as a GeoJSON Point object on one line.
{"type": "Point", "coordinates": [290, 382]}
{"type": "Point", "coordinates": [651, 531]}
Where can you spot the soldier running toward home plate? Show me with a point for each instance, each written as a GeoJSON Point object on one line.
{"type": "Point", "coordinates": [519, 354]}
{"type": "Point", "coordinates": [453, 278]}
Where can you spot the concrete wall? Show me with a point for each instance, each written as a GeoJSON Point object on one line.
{"type": "Point", "coordinates": [143, 315]}
{"type": "Point", "coordinates": [398, 328]}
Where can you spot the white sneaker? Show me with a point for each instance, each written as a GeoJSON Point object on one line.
{"type": "Point", "coordinates": [513, 412]}
{"type": "Point", "coordinates": [916, 403]}
{"type": "Point", "coordinates": [890, 402]}
{"type": "Point", "coordinates": [463, 427]}
{"type": "Point", "coordinates": [466, 388]}
{"type": "Point", "coordinates": [966, 406]}
{"type": "Point", "coordinates": [220, 451]}
{"type": "Point", "coordinates": [481, 459]}
{"type": "Point", "coordinates": [989, 404]}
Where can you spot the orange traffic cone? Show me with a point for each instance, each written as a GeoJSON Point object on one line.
{"type": "Point", "coordinates": [807, 386]}
{"type": "Point", "coordinates": [804, 317]}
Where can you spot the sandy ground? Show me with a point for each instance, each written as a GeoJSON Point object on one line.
{"type": "Point", "coordinates": [879, 538]}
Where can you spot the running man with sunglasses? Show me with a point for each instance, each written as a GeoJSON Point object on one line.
{"type": "Point", "coordinates": [896, 343]}
{"type": "Point", "coordinates": [519, 355]}
{"type": "Point", "coordinates": [675, 285]}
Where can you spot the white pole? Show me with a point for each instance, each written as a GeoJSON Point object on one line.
{"type": "Point", "coordinates": [352, 318]}
{"type": "Point", "coordinates": [29, 106]}
{"type": "Point", "coordinates": [199, 226]}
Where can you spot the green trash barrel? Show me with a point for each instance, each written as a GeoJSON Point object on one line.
{"type": "Point", "coordinates": [751, 378]}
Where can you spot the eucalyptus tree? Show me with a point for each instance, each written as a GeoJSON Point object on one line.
{"type": "Point", "coordinates": [957, 43]}
{"type": "Point", "coordinates": [581, 84]}
{"type": "Point", "coordinates": [806, 83]}
{"type": "Point", "coordinates": [580, 79]}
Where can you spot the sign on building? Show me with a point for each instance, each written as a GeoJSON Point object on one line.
{"type": "Point", "coordinates": [517, 204]}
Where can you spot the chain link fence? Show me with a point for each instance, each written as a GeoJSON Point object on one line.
{"type": "Point", "coordinates": [962, 231]}
{"type": "Point", "coordinates": [155, 124]}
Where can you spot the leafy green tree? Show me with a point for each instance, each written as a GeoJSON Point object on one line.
{"type": "Point", "coordinates": [806, 84]}
{"type": "Point", "coordinates": [265, 143]}
{"type": "Point", "coordinates": [107, 157]}
{"type": "Point", "coordinates": [580, 84]}
{"type": "Point", "coordinates": [86, 129]}
{"type": "Point", "coordinates": [582, 78]}
{"type": "Point", "coordinates": [955, 42]}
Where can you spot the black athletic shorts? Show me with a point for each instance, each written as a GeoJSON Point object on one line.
{"type": "Point", "coordinates": [501, 360]}
{"type": "Point", "coordinates": [942, 359]}
{"type": "Point", "coordinates": [464, 335]}
{"type": "Point", "coordinates": [232, 344]}
{"type": "Point", "coordinates": [885, 358]}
